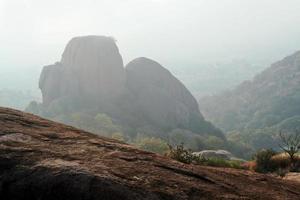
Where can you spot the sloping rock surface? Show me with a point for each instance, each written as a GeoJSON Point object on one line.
{"type": "Point", "coordinates": [162, 98]}
{"type": "Point", "coordinates": [44, 160]}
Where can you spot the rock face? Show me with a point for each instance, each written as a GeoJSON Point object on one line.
{"type": "Point", "coordinates": [91, 78]}
{"type": "Point", "coordinates": [160, 96]}
{"type": "Point", "coordinates": [44, 160]}
{"type": "Point", "coordinates": [50, 83]}
{"type": "Point", "coordinates": [91, 67]}
{"type": "Point", "coordinates": [221, 154]}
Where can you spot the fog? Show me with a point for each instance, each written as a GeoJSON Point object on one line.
{"type": "Point", "coordinates": [197, 88]}
{"type": "Point", "coordinates": [187, 37]}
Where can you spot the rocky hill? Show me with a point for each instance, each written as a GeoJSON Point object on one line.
{"type": "Point", "coordinates": [256, 111]}
{"type": "Point", "coordinates": [142, 98]}
{"type": "Point", "coordinates": [44, 160]}
{"type": "Point", "coordinates": [270, 98]}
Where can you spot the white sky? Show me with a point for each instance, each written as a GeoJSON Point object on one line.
{"type": "Point", "coordinates": [33, 33]}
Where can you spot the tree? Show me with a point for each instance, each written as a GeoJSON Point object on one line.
{"type": "Point", "coordinates": [77, 119]}
{"type": "Point", "coordinates": [213, 142]}
{"type": "Point", "coordinates": [152, 144]}
{"type": "Point", "coordinates": [290, 144]}
{"type": "Point", "coordinates": [104, 122]}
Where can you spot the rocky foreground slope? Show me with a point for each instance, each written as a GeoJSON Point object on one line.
{"type": "Point", "coordinates": [41, 159]}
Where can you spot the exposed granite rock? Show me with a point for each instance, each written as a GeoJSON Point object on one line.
{"type": "Point", "coordinates": [221, 154]}
{"type": "Point", "coordinates": [161, 97]}
{"type": "Point", "coordinates": [91, 69]}
{"type": "Point", "coordinates": [50, 83]}
{"type": "Point", "coordinates": [44, 160]}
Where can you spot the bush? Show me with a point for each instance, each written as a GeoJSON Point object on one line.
{"type": "Point", "coordinates": [269, 161]}
{"type": "Point", "coordinates": [181, 154]}
{"type": "Point", "coordinates": [184, 155]}
{"type": "Point", "coordinates": [281, 161]}
{"type": "Point", "coordinates": [264, 162]}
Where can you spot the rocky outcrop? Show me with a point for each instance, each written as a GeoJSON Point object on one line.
{"type": "Point", "coordinates": [44, 160]}
{"type": "Point", "coordinates": [161, 97]}
{"type": "Point", "coordinates": [91, 68]}
{"type": "Point", "coordinates": [144, 97]}
{"type": "Point", "coordinates": [50, 83]}
{"type": "Point", "coordinates": [218, 154]}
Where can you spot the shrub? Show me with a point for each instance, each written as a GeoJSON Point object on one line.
{"type": "Point", "coordinates": [264, 161]}
{"type": "Point", "coordinates": [281, 161]}
{"type": "Point", "coordinates": [290, 144]}
{"type": "Point", "coordinates": [105, 123]}
{"type": "Point", "coordinates": [181, 154]}
{"type": "Point", "coordinates": [184, 155]}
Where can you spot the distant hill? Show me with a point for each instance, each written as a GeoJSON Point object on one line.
{"type": "Point", "coordinates": [44, 160]}
{"type": "Point", "coordinates": [204, 79]}
{"type": "Point", "coordinates": [268, 103]}
{"type": "Point", "coordinates": [16, 99]}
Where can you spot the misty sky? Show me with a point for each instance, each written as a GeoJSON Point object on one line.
{"type": "Point", "coordinates": [33, 33]}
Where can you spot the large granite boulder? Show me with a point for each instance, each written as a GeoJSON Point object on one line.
{"type": "Point", "coordinates": [160, 97]}
{"type": "Point", "coordinates": [50, 82]}
{"type": "Point", "coordinates": [91, 69]}
{"type": "Point", "coordinates": [218, 154]}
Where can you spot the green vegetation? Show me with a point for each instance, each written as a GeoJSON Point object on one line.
{"type": "Point", "coordinates": [16, 99]}
{"type": "Point", "coordinates": [144, 137]}
{"type": "Point", "coordinates": [181, 154]}
{"type": "Point", "coordinates": [264, 162]}
{"type": "Point", "coordinates": [152, 144]}
{"type": "Point", "coordinates": [255, 111]}
{"type": "Point", "coordinates": [268, 161]}
{"type": "Point", "coordinates": [290, 144]}
{"type": "Point", "coordinates": [219, 162]}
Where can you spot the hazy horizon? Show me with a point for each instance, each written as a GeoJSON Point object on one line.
{"type": "Point", "coordinates": [185, 37]}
